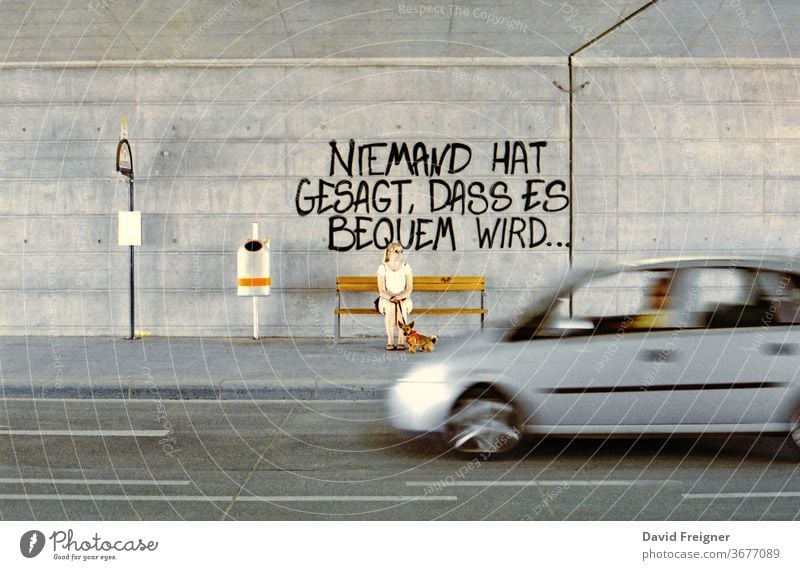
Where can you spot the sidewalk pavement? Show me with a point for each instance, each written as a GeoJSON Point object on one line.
{"type": "Point", "coordinates": [199, 368]}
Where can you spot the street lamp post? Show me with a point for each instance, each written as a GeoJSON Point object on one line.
{"type": "Point", "coordinates": [129, 225]}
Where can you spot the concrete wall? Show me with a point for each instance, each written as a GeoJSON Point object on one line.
{"type": "Point", "coordinates": [686, 156]}
{"type": "Point", "coordinates": [216, 148]}
{"type": "Point", "coordinates": [690, 150]}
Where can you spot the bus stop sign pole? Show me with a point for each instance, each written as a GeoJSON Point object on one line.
{"type": "Point", "coordinates": [125, 167]}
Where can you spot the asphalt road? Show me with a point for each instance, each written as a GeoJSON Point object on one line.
{"type": "Point", "coordinates": [334, 460]}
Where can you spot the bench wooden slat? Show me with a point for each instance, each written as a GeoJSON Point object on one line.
{"type": "Point", "coordinates": [359, 287]}
{"type": "Point", "coordinates": [420, 278]}
{"type": "Point", "coordinates": [373, 287]}
{"type": "Point", "coordinates": [416, 311]}
{"type": "Point", "coordinates": [421, 283]}
{"type": "Point", "coordinates": [448, 311]}
{"type": "Point", "coordinates": [447, 287]}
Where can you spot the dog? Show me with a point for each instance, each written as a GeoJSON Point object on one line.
{"type": "Point", "coordinates": [415, 341]}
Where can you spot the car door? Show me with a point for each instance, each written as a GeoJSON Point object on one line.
{"type": "Point", "coordinates": [732, 366]}
{"type": "Point", "coordinates": [599, 376]}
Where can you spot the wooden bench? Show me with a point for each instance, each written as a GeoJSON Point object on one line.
{"type": "Point", "coordinates": [430, 283]}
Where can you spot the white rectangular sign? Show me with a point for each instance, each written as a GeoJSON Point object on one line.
{"type": "Point", "coordinates": [130, 228]}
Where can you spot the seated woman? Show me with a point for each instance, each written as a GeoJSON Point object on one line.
{"type": "Point", "coordinates": [395, 283]}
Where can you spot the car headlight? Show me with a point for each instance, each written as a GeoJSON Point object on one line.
{"type": "Point", "coordinates": [431, 374]}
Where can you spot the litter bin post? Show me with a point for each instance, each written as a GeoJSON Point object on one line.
{"type": "Point", "coordinates": [256, 333]}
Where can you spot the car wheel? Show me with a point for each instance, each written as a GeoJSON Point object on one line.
{"type": "Point", "coordinates": [483, 424]}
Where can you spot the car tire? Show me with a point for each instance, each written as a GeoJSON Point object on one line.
{"type": "Point", "coordinates": [482, 423]}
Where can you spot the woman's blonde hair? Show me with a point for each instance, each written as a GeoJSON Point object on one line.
{"type": "Point", "coordinates": [388, 251]}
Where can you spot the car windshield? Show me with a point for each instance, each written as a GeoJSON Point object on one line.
{"type": "Point", "coordinates": [666, 299]}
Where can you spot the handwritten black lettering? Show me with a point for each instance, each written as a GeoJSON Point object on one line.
{"type": "Point", "coordinates": [372, 159]}
{"type": "Point", "coordinates": [505, 233]}
{"type": "Point", "coordinates": [372, 189]}
{"type": "Point", "coordinates": [555, 197]}
{"type": "Point", "coordinates": [464, 197]}
{"type": "Point", "coordinates": [515, 154]}
{"type": "Point", "coordinates": [361, 232]}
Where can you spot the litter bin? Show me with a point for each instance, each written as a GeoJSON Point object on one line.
{"type": "Point", "coordinates": [253, 278]}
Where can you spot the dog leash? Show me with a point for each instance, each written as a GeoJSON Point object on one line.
{"type": "Point", "coordinates": [398, 313]}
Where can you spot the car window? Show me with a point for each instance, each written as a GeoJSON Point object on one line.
{"type": "Point", "coordinates": [610, 303]}
{"type": "Point", "coordinates": [739, 297]}
{"type": "Point", "coordinates": [685, 298]}
{"type": "Point", "coordinates": [611, 295]}
{"type": "Point", "coordinates": [781, 291]}
{"type": "Point", "coordinates": [723, 286]}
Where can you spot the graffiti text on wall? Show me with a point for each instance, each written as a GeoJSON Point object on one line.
{"type": "Point", "coordinates": [380, 192]}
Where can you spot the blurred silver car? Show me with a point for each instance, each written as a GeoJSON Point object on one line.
{"type": "Point", "coordinates": [666, 347]}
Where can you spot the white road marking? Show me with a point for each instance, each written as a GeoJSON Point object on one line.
{"type": "Point", "coordinates": [750, 495]}
{"type": "Point", "coordinates": [538, 483]}
{"type": "Point", "coordinates": [87, 432]}
{"type": "Point", "coordinates": [93, 482]}
{"type": "Point", "coordinates": [225, 499]}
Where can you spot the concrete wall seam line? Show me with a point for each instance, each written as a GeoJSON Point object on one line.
{"type": "Point", "coordinates": [687, 62]}
{"type": "Point", "coordinates": [535, 61]}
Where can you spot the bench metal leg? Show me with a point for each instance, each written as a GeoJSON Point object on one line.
{"type": "Point", "coordinates": [337, 319]}
{"type": "Point", "coordinates": [483, 315]}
